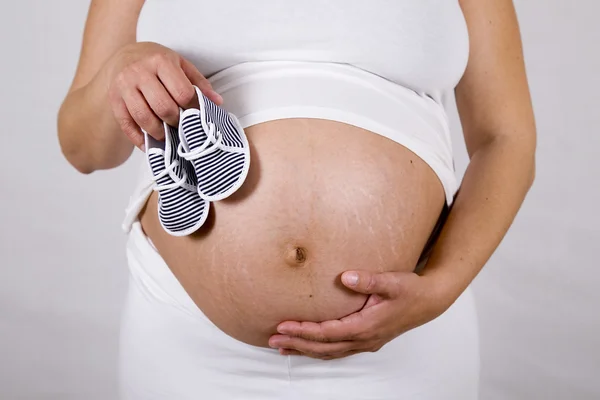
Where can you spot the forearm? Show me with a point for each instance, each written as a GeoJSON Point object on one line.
{"type": "Point", "coordinates": [89, 135]}
{"type": "Point", "coordinates": [495, 184]}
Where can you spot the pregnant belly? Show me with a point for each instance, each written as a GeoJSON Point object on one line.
{"type": "Point", "coordinates": [321, 198]}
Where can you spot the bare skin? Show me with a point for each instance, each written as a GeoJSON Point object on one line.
{"type": "Point", "coordinates": [275, 250]}
{"type": "Point", "coordinates": [496, 113]}
{"type": "Point", "coordinates": [121, 86]}
{"type": "Point", "coordinates": [115, 93]}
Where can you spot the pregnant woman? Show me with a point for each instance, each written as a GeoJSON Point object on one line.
{"type": "Point", "coordinates": [340, 269]}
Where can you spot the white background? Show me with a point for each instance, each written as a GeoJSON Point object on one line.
{"type": "Point", "coordinates": [63, 272]}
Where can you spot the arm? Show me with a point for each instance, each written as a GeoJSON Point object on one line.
{"type": "Point", "coordinates": [89, 135]}
{"type": "Point", "coordinates": [122, 87]}
{"type": "Point", "coordinates": [496, 113]}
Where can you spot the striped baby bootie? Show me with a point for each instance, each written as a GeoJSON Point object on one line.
{"type": "Point", "coordinates": [180, 210]}
{"type": "Point", "coordinates": [213, 140]}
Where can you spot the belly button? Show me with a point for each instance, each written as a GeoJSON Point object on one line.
{"type": "Point", "coordinates": [296, 256]}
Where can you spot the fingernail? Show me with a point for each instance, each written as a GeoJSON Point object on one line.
{"type": "Point", "coordinates": [350, 278]}
{"type": "Point", "coordinates": [143, 147]}
{"type": "Point", "coordinates": [284, 330]}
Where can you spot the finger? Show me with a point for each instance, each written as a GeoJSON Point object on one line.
{"type": "Point", "coordinates": [346, 354]}
{"type": "Point", "coordinates": [318, 349]}
{"type": "Point", "coordinates": [142, 114]}
{"type": "Point", "coordinates": [373, 300]}
{"type": "Point", "coordinates": [289, 352]}
{"type": "Point", "coordinates": [385, 284]}
{"type": "Point", "coordinates": [334, 356]}
{"type": "Point", "coordinates": [200, 81]}
{"type": "Point", "coordinates": [308, 330]}
{"type": "Point", "coordinates": [159, 100]}
{"type": "Point", "coordinates": [177, 84]}
{"type": "Point", "coordinates": [354, 326]}
{"type": "Point", "coordinates": [126, 123]}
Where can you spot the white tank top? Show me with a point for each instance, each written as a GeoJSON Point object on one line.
{"type": "Point", "coordinates": [420, 44]}
{"type": "Point", "coordinates": [382, 65]}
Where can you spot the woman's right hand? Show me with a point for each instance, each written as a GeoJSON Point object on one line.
{"type": "Point", "coordinates": [147, 84]}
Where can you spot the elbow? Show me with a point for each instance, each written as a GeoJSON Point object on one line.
{"type": "Point", "coordinates": [532, 172]}
{"type": "Point", "coordinates": [82, 167]}
{"type": "Point", "coordinates": [532, 158]}
{"type": "Point", "coordinates": [522, 155]}
{"type": "Point", "coordinates": [72, 150]}
{"type": "Point", "coordinates": [524, 149]}
{"type": "Point", "coordinates": [76, 157]}
{"type": "Point", "coordinates": [528, 153]}
{"type": "Point", "coordinates": [71, 141]}
{"type": "Point", "coordinates": [85, 158]}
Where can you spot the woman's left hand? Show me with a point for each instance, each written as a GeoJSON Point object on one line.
{"type": "Point", "coordinates": [398, 302]}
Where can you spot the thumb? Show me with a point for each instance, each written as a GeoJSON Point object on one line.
{"type": "Point", "coordinates": [383, 283]}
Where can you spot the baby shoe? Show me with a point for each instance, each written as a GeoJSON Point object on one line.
{"type": "Point", "coordinates": [180, 210]}
{"type": "Point", "coordinates": [215, 143]}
